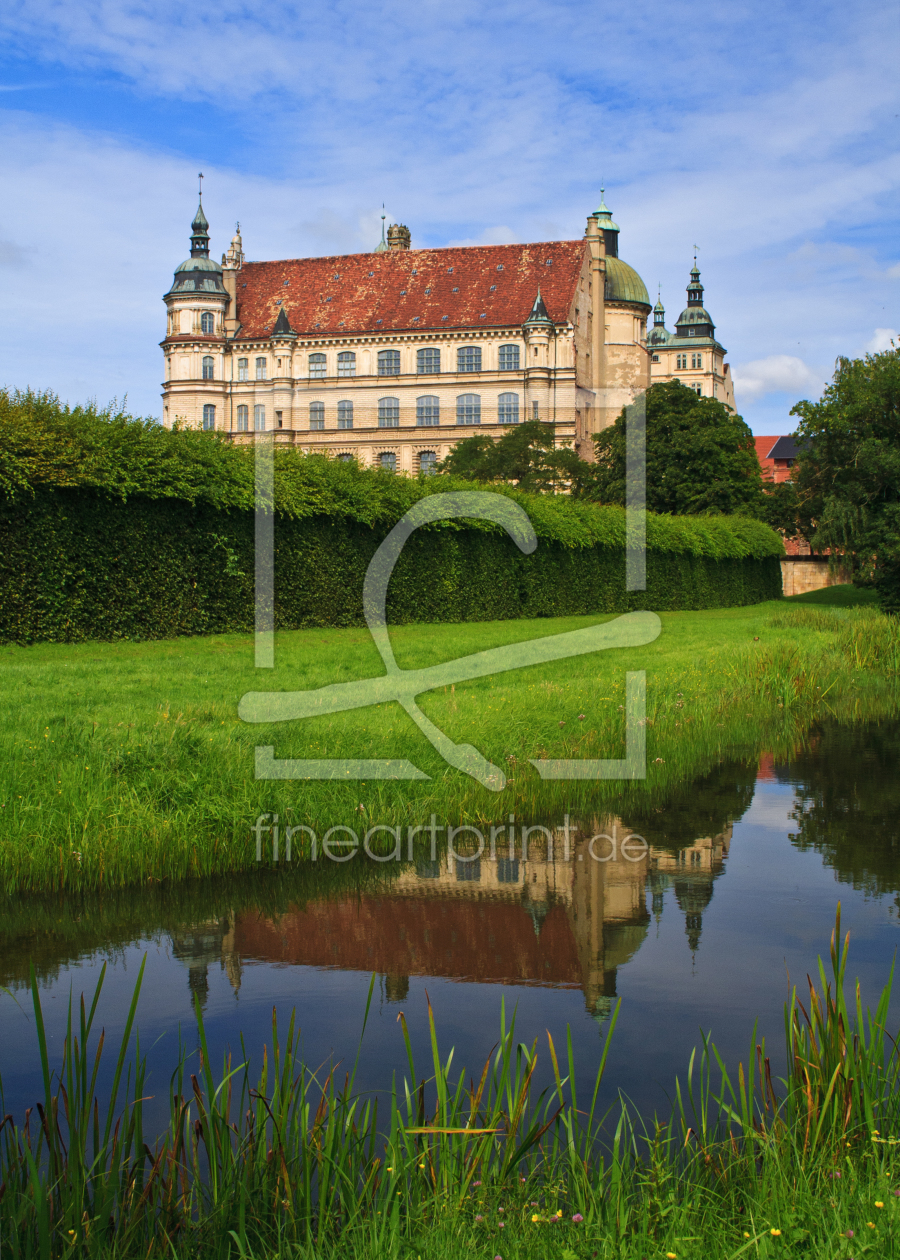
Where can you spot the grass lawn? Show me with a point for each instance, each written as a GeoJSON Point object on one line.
{"type": "Point", "coordinates": [125, 761]}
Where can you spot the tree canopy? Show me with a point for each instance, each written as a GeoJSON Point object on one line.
{"type": "Point", "coordinates": [701, 458]}
{"type": "Point", "coordinates": [526, 455]}
{"type": "Point", "coordinates": [847, 474]}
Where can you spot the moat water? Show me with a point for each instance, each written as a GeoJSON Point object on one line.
{"type": "Point", "coordinates": [732, 900]}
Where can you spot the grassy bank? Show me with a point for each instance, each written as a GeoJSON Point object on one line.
{"type": "Point", "coordinates": [296, 1163]}
{"type": "Point", "coordinates": [126, 762]}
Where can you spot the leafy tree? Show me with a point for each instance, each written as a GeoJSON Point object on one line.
{"type": "Point", "coordinates": [848, 471]}
{"type": "Point", "coordinates": [526, 455]}
{"type": "Point", "coordinates": [700, 457]}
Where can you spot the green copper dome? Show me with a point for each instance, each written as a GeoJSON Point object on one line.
{"type": "Point", "coordinates": [623, 284]}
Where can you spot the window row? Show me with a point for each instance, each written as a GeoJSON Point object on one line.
{"type": "Point", "coordinates": [681, 362]}
{"type": "Point", "coordinates": [428, 411]}
{"type": "Point", "coordinates": [428, 362]}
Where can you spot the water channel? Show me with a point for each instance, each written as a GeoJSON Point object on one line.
{"type": "Point", "coordinates": [734, 892]}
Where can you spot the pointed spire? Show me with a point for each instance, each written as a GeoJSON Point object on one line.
{"type": "Point", "coordinates": [283, 325]}
{"type": "Point", "coordinates": [539, 313]}
{"type": "Point", "coordinates": [382, 246]}
{"type": "Point", "coordinates": [604, 215]}
{"type": "Point", "coordinates": [659, 311]}
{"type": "Point", "coordinates": [200, 234]}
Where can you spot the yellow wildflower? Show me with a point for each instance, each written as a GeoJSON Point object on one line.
{"type": "Point", "coordinates": [871, 1224]}
{"type": "Point", "coordinates": [559, 1211]}
{"type": "Point", "coordinates": [535, 1218]}
{"type": "Point", "coordinates": [746, 1235]}
{"type": "Point", "coordinates": [776, 1233]}
{"type": "Point", "coordinates": [670, 1255]}
{"type": "Point", "coordinates": [879, 1205]}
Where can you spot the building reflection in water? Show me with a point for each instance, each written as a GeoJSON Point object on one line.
{"type": "Point", "coordinates": [552, 918]}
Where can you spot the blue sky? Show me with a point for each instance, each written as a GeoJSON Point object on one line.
{"type": "Point", "coordinates": [764, 133]}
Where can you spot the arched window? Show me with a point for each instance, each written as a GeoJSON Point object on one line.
{"type": "Point", "coordinates": [508, 409]}
{"type": "Point", "coordinates": [345, 415]}
{"type": "Point", "coordinates": [389, 413]}
{"type": "Point", "coordinates": [316, 366]}
{"type": "Point", "coordinates": [243, 374]}
{"type": "Point", "coordinates": [468, 359]}
{"type": "Point", "coordinates": [347, 363]}
{"type": "Point", "coordinates": [468, 409]}
{"type": "Point", "coordinates": [509, 359]}
{"type": "Point", "coordinates": [243, 419]}
{"type": "Point", "coordinates": [207, 322]}
{"type": "Point", "coordinates": [208, 366]}
{"type": "Point", "coordinates": [259, 418]}
{"type": "Point", "coordinates": [428, 360]}
{"type": "Point", "coordinates": [317, 416]}
{"type": "Point", "coordinates": [260, 369]}
{"type": "Point", "coordinates": [388, 460]}
{"type": "Point", "coordinates": [388, 362]}
{"type": "Point", "coordinates": [209, 416]}
{"type": "Point", "coordinates": [427, 462]}
{"type": "Point", "coordinates": [428, 410]}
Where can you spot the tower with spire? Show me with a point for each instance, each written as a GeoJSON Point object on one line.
{"type": "Point", "coordinates": [194, 347]}
{"type": "Point", "coordinates": [691, 353]}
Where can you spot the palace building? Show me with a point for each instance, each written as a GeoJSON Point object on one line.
{"type": "Point", "coordinates": [391, 357]}
{"type": "Point", "coordinates": [691, 353]}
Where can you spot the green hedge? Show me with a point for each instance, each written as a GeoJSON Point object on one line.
{"type": "Point", "coordinates": [78, 565]}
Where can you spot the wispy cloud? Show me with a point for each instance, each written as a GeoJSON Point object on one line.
{"type": "Point", "coordinates": [766, 143]}
{"type": "Point", "coordinates": [884, 339]}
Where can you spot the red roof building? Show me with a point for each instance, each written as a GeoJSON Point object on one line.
{"type": "Point", "coordinates": [393, 356]}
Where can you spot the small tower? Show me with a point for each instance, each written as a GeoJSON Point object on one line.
{"type": "Point", "coordinates": [398, 236]}
{"type": "Point", "coordinates": [538, 331]}
{"type": "Point", "coordinates": [659, 334]}
{"type": "Point", "coordinates": [233, 260]}
{"type": "Point", "coordinates": [194, 346]}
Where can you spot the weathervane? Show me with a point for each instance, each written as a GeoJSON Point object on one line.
{"type": "Point", "coordinates": [200, 179]}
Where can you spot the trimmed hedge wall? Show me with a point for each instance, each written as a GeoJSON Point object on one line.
{"type": "Point", "coordinates": [78, 564]}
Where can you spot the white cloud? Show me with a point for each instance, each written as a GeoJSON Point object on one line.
{"type": "Point", "coordinates": [894, 272]}
{"type": "Point", "coordinates": [777, 373]}
{"type": "Point", "coordinates": [884, 339]}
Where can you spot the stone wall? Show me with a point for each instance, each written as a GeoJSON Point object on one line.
{"type": "Point", "coordinates": [809, 573]}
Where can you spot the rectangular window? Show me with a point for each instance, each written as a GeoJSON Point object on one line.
{"type": "Point", "coordinates": [428, 360]}
{"type": "Point", "coordinates": [468, 409]}
{"type": "Point", "coordinates": [207, 367]}
{"type": "Point", "coordinates": [317, 416]}
{"type": "Point", "coordinates": [427, 462]}
{"type": "Point", "coordinates": [428, 410]}
{"type": "Point", "coordinates": [243, 419]}
{"type": "Point", "coordinates": [316, 367]}
{"type": "Point", "coordinates": [260, 369]}
{"type": "Point", "coordinates": [243, 373]}
{"type": "Point", "coordinates": [655, 358]}
{"type": "Point", "coordinates": [509, 359]}
{"type": "Point", "coordinates": [259, 418]}
{"type": "Point", "coordinates": [508, 409]}
{"type": "Point", "coordinates": [347, 363]}
{"type": "Point", "coordinates": [209, 416]}
{"type": "Point", "coordinates": [696, 360]}
{"type": "Point", "coordinates": [345, 415]}
{"type": "Point", "coordinates": [680, 362]}
{"type": "Point", "coordinates": [279, 419]}
{"type": "Point", "coordinates": [468, 359]}
{"type": "Point", "coordinates": [388, 362]}
{"type": "Point", "coordinates": [388, 460]}
{"type": "Point", "coordinates": [389, 413]}
{"type": "Point", "coordinates": [535, 411]}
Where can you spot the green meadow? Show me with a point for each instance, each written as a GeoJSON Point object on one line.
{"type": "Point", "coordinates": [127, 762]}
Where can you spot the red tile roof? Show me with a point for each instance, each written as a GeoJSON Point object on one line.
{"type": "Point", "coordinates": [763, 446]}
{"type": "Point", "coordinates": [477, 286]}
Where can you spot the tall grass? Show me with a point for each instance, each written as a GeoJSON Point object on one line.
{"type": "Point", "coordinates": [297, 1162]}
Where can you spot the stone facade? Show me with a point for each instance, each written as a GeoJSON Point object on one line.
{"type": "Point", "coordinates": [392, 357]}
